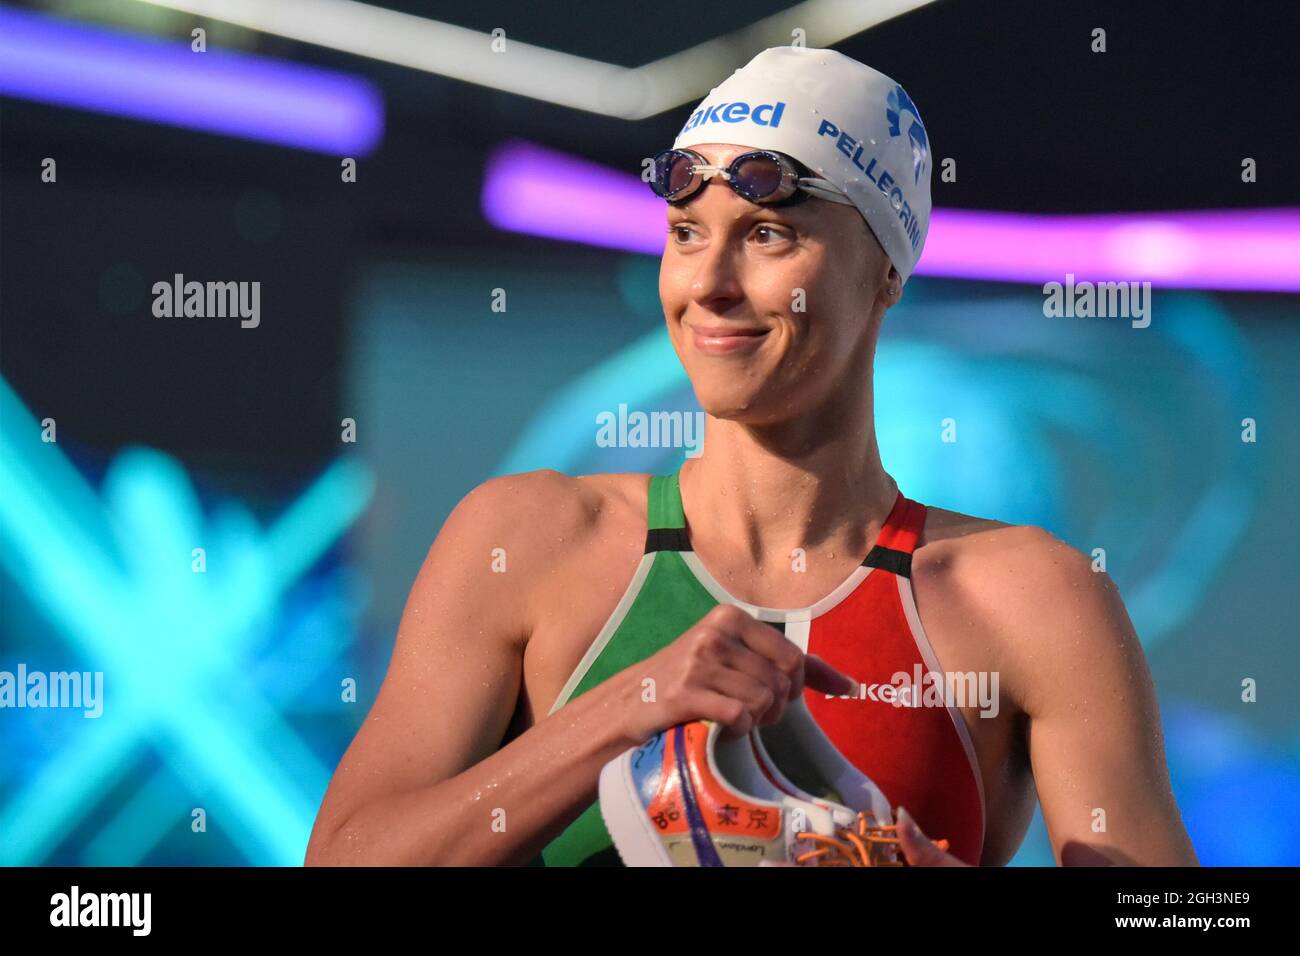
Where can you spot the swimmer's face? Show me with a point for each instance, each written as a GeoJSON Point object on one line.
{"type": "Point", "coordinates": [729, 283]}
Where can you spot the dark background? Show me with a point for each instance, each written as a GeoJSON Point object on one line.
{"type": "Point", "coordinates": [1036, 122]}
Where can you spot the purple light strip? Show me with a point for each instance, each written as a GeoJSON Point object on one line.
{"type": "Point", "coordinates": [1231, 249]}
{"type": "Point", "coordinates": [541, 192]}
{"type": "Point", "coordinates": [54, 61]}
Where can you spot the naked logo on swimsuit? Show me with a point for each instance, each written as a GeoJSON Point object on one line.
{"type": "Point", "coordinates": [934, 689]}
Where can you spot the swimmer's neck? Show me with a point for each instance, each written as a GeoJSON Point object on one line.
{"type": "Point", "coordinates": [767, 491]}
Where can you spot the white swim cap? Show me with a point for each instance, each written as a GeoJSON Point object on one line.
{"type": "Point", "coordinates": [845, 121]}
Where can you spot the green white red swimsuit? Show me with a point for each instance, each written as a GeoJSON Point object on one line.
{"type": "Point", "coordinates": [922, 757]}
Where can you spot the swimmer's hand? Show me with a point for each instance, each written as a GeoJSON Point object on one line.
{"type": "Point", "coordinates": [919, 849]}
{"type": "Point", "coordinates": [728, 667]}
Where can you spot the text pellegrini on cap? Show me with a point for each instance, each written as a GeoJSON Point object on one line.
{"type": "Point", "coordinates": [884, 182]}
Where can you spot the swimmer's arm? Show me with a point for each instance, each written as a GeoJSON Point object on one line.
{"type": "Point", "coordinates": [1095, 739]}
{"type": "Point", "coordinates": [423, 782]}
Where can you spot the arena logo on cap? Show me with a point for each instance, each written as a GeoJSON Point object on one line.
{"type": "Point", "coordinates": [896, 104]}
{"type": "Point", "coordinates": [765, 114]}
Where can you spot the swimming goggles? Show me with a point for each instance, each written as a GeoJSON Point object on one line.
{"type": "Point", "coordinates": [761, 176]}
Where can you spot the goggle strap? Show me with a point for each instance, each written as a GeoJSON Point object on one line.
{"type": "Point", "coordinates": [825, 189]}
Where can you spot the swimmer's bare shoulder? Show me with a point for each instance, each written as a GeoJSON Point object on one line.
{"type": "Point", "coordinates": [452, 683]}
{"type": "Point", "coordinates": [508, 547]}
{"type": "Point", "coordinates": [1015, 589]}
{"type": "Point", "coordinates": [568, 548]}
{"type": "Point", "coordinates": [1053, 623]}
{"type": "Point", "coordinates": [564, 525]}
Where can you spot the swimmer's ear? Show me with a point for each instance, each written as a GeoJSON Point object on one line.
{"type": "Point", "coordinates": [891, 287]}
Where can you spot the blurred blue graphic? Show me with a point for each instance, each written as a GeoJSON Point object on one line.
{"type": "Point", "coordinates": [200, 669]}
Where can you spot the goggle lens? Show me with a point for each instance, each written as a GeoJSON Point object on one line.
{"type": "Point", "coordinates": [758, 176]}
{"type": "Point", "coordinates": [679, 173]}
